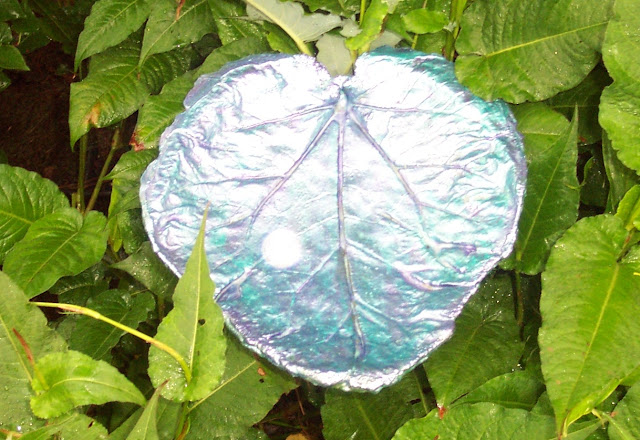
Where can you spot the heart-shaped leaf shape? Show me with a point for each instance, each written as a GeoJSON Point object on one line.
{"type": "Point", "coordinates": [351, 218]}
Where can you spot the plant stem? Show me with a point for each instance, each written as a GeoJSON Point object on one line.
{"type": "Point", "coordinates": [455, 15]}
{"type": "Point", "coordinates": [414, 43]}
{"type": "Point", "coordinates": [363, 9]}
{"type": "Point", "coordinates": [95, 315]}
{"type": "Point", "coordinates": [115, 145]}
{"type": "Point", "coordinates": [82, 165]}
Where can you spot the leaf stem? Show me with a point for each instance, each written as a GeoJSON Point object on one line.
{"type": "Point", "coordinates": [115, 146]}
{"type": "Point", "coordinates": [455, 15]}
{"type": "Point", "coordinates": [414, 43]}
{"type": "Point", "coordinates": [82, 167]}
{"type": "Point", "coordinates": [96, 315]}
{"type": "Point", "coordinates": [363, 9]}
{"type": "Point", "coordinates": [300, 43]}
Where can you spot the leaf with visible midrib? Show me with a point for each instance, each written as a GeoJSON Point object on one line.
{"type": "Point", "coordinates": [146, 427]}
{"type": "Point", "coordinates": [553, 193]}
{"type": "Point", "coordinates": [193, 328]}
{"type": "Point", "coordinates": [24, 198]}
{"type": "Point", "coordinates": [620, 102]}
{"type": "Point", "coordinates": [590, 334]}
{"type": "Point", "coordinates": [244, 375]}
{"type": "Point", "coordinates": [15, 370]}
{"type": "Point", "coordinates": [60, 244]}
{"type": "Point", "coordinates": [529, 50]}
{"type": "Point", "coordinates": [74, 379]}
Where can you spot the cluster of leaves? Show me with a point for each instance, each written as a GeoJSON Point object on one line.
{"type": "Point", "coordinates": [548, 348]}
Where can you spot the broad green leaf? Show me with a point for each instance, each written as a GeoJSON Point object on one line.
{"type": "Point", "coordinates": [586, 98]}
{"type": "Point", "coordinates": [338, 7]}
{"type": "Point", "coordinates": [620, 178]}
{"type": "Point", "coordinates": [333, 53]}
{"type": "Point", "coordinates": [97, 338]}
{"type": "Point", "coordinates": [230, 19]}
{"type": "Point", "coordinates": [590, 334]}
{"type": "Point", "coordinates": [78, 288]}
{"type": "Point", "coordinates": [529, 50]}
{"type": "Point", "coordinates": [194, 329]}
{"type": "Point", "coordinates": [519, 390]}
{"type": "Point", "coordinates": [132, 164]}
{"type": "Point", "coordinates": [371, 26]}
{"type": "Point", "coordinates": [110, 23]}
{"type": "Point", "coordinates": [11, 9]}
{"type": "Point", "coordinates": [58, 22]}
{"type": "Point", "coordinates": [168, 414]}
{"type": "Point", "coordinates": [131, 230]}
{"type": "Point", "coordinates": [481, 421]}
{"type": "Point", "coordinates": [73, 379]}
{"type": "Point", "coordinates": [5, 32]}
{"type": "Point", "coordinates": [364, 416]}
{"type": "Point", "coordinates": [145, 266]}
{"type": "Point", "coordinates": [485, 344]}
{"type": "Point", "coordinates": [629, 208]}
{"type": "Point", "coordinates": [146, 427]}
{"type": "Point", "coordinates": [159, 111]}
{"type": "Point", "coordinates": [60, 244]}
{"type": "Point", "coordinates": [244, 376]}
{"type": "Point", "coordinates": [24, 198]}
{"type": "Point", "coordinates": [11, 58]}
{"type": "Point", "coordinates": [279, 41]}
{"type": "Point", "coordinates": [73, 426]}
{"type": "Point", "coordinates": [169, 25]}
{"type": "Point", "coordinates": [423, 21]}
{"type": "Point", "coordinates": [116, 86]}
{"type": "Point", "coordinates": [625, 425]}
{"type": "Point", "coordinates": [15, 370]}
{"type": "Point", "coordinates": [552, 195]}
{"type": "Point", "coordinates": [594, 189]}
{"type": "Point", "coordinates": [620, 102]}
{"type": "Point", "coordinates": [291, 18]}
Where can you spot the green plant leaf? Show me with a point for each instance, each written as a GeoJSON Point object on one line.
{"type": "Point", "coordinates": [230, 52]}
{"type": "Point", "coordinates": [620, 103]}
{"type": "Point", "coordinates": [24, 198]}
{"type": "Point", "coordinates": [529, 50]}
{"type": "Point", "coordinates": [364, 416]}
{"type": "Point", "coordinates": [110, 23]}
{"type": "Point", "coordinates": [194, 329]}
{"type": "Point", "coordinates": [230, 19]}
{"type": "Point", "coordinates": [168, 414]}
{"type": "Point", "coordinates": [481, 421]}
{"type": "Point", "coordinates": [590, 334]}
{"type": "Point", "coordinates": [629, 208]}
{"type": "Point", "coordinates": [244, 375]}
{"type": "Point", "coordinates": [290, 17]}
{"type": "Point", "coordinates": [371, 26]}
{"type": "Point", "coordinates": [131, 230]}
{"type": "Point", "coordinates": [168, 29]}
{"type": "Point", "coordinates": [484, 344]}
{"type": "Point", "coordinates": [78, 288]}
{"type": "Point", "coordinates": [11, 58]}
{"type": "Point", "coordinates": [58, 22]}
{"type": "Point", "coordinates": [11, 10]}
{"type": "Point", "coordinates": [333, 53]}
{"type": "Point", "coordinates": [60, 244]}
{"type": "Point", "coordinates": [625, 425]}
{"type": "Point", "coordinates": [586, 98]}
{"type": "Point", "coordinates": [96, 338]}
{"type": "Point", "coordinates": [15, 370]}
{"type": "Point", "coordinates": [519, 390]}
{"type": "Point", "coordinates": [620, 177]}
{"type": "Point", "coordinates": [146, 427]}
{"type": "Point", "coordinates": [74, 379]}
{"type": "Point", "coordinates": [116, 86]}
{"type": "Point", "coordinates": [132, 164]}
{"type": "Point", "coordinates": [145, 266]}
{"type": "Point", "coordinates": [338, 7]}
{"type": "Point", "coordinates": [552, 195]}
{"type": "Point", "coordinates": [423, 21]}
{"type": "Point", "coordinates": [70, 427]}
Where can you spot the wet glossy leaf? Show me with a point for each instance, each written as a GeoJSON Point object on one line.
{"type": "Point", "coordinates": [621, 178]}
{"type": "Point", "coordinates": [553, 194]}
{"type": "Point", "coordinates": [24, 198]}
{"type": "Point", "coordinates": [70, 427]}
{"type": "Point", "coordinates": [15, 371]}
{"type": "Point", "coordinates": [146, 427]}
{"type": "Point", "coordinates": [344, 241]}
{"type": "Point", "coordinates": [519, 389]}
{"type": "Point", "coordinates": [620, 103]}
{"type": "Point", "coordinates": [194, 329]}
{"type": "Point", "coordinates": [74, 379]}
{"type": "Point", "coordinates": [422, 21]}
{"type": "Point", "coordinates": [229, 17]}
{"type": "Point", "coordinates": [371, 25]}
{"type": "Point", "coordinates": [506, 53]}
{"type": "Point", "coordinates": [625, 425]}
{"type": "Point", "coordinates": [144, 266]}
{"type": "Point", "coordinates": [244, 375]}
{"type": "Point", "coordinates": [97, 338]}
{"type": "Point", "coordinates": [110, 23]}
{"type": "Point", "coordinates": [168, 28]}
{"type": "Point", "coordinates": [481, 421]}
{"type": "Point", "coordinates": [11, 58]}
{"type": "Point", "coordinates": [364, 416]}
{"type": "Point", "coordinates": [485, 344]}
{"type": "Point", "coordinates": [60, 244]}
{"type": "Point", "coordinates": [589, 313]}
{"type": "Point", "coordinates": [78, 288]}
{"type": "Point", "coordinates": [339, 7]}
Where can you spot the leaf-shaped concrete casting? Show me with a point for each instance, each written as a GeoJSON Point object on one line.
{"type": "Point", "coordinates": [350, 218]}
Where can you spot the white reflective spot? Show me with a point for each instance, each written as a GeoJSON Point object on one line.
{"type": "Point", "coordinates": [281, 248]}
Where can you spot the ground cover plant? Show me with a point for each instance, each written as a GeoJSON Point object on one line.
{"type": "Point", "coordinates": [100, 340]}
